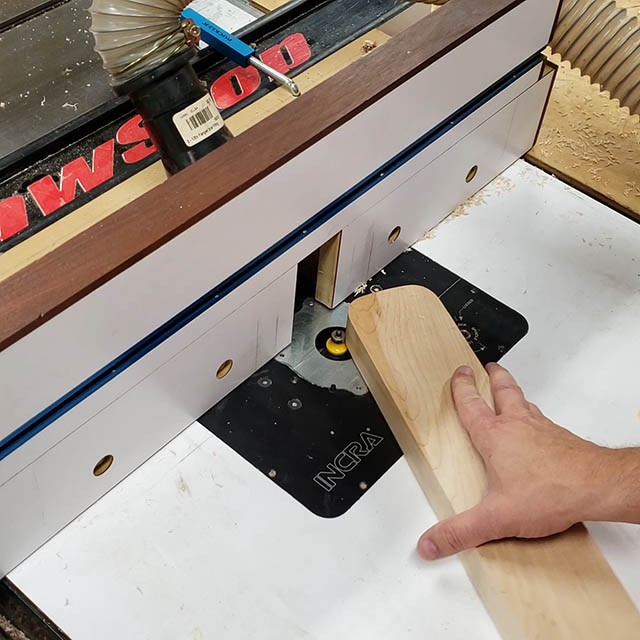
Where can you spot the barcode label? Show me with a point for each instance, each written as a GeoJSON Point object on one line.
{"type": "Point", "coordinates": [200, 118]}
{"type": "Point", "coordinates": [198, 121]}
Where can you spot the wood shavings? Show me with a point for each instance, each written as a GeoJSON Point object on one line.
{"type": "Point", "coordinates": [503, 184]}
{"type": "Point", "coordinates": [10, 630]}
{"type": "Point", "coordinates": [499, 186]}
{"type": "Point", "coordinates": [368, 46]}
{"type": "Point", "coordinates": [632, 189]}
{"type": "Point", "coordinates": [429, 235]}
{"type": "Point", "coordinates": [590, 142]}
{"type": "Point", "coordinates": [463, 209]}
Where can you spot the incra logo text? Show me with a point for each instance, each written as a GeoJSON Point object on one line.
{"type": "Point", "coordinates": [113, 158]}
{"type": "Point", "coordinates": [347, 460]}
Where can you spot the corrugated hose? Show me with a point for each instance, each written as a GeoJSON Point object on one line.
{"type": "Point", "coordinates": [133, 36]}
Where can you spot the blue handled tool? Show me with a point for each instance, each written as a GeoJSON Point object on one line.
{"type": "Point", "coordinates": [197, 27]}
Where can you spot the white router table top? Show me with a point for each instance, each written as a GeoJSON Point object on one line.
{"type": "Point", "coordinates": [197, 545]}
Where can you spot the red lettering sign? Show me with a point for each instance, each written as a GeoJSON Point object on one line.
{"type": "Point", "coordinates": [49, 197]}
{"type": "Point", "coordinates": [234, 86]}
{"type": "Point", "coordinates": [293, 51]}
{"type": "Point", "coordinates": [239, 83]}
{"type": "Point", "coordinates": [13, 216]}
{"type": "Point", "coordinates": [133, 131]}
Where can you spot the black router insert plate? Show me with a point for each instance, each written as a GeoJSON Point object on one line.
{"type": "Point", "coordinates": [326, 447]}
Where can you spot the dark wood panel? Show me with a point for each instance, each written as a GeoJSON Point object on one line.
{"type": "Point", "coordinates": [47, 286]}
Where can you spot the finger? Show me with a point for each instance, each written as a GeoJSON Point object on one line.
{"type": "Point", "coordinates": [472, 410]}
{"type": "Point", "coordinates": [466, 530]}
{"type": "Point", "coordinates": [507, 395]}
{"type": "Point", "coordinates": [535, 410]}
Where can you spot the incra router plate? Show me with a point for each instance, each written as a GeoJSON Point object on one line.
{"type": "Point", "coordinates": [309, 424]}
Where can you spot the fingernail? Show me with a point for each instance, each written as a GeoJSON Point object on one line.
{"type": "Point", "coordinates": [427, 549]}
{"type": "Point", "coordinates": [465, 371]}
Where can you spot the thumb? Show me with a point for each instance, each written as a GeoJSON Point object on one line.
{"type": "Point", "coordinates": [466, 530]}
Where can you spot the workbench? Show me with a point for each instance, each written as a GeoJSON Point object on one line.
{"type": "Point", "coordinates": [198, 544]}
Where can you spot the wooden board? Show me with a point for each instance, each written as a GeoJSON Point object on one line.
{"type": "Point", "coordinates": [407, 347]}
{"type": "Point", "coordinates": [589, 141]}
{"type": "Point", "coordinates": [328, 257]}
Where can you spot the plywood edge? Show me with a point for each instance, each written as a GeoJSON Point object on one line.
{"type": "Point", "coordinates": [328, 256]}
{"type": "Point", "coordinates": [556, 588]}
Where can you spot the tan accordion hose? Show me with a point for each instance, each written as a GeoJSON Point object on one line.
{"type": "Point", "coordinates": [133, 36]}
{"type": "Point", "coordinates": [603, 41]}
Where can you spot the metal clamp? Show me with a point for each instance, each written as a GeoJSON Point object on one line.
{"type": "Point", "coordinates": [196, 27]}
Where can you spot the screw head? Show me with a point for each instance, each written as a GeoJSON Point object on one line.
{"type": "Point", "coordinates": [191, 31]}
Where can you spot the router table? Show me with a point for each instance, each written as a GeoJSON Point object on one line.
{"type": "Point", "coordinates": [286, 509]}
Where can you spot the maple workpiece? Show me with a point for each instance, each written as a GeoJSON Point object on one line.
{"type": "Point", "coordinates": [407, 347]}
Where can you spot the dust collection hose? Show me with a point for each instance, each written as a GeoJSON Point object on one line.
{"type": "Point", "coordinates": [602, 41]}
{"type": "Point", "coordinates": [148, 56]}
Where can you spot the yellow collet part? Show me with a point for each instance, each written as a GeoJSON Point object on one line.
{"type": "Point", "coordinates": [336, 348]}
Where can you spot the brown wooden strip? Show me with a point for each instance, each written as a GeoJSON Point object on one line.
{"type": "Point", "coordinates": [71, 271]}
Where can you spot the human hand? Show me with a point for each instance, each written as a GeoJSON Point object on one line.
{"type": "Point", "coordinates": [542, 479]}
